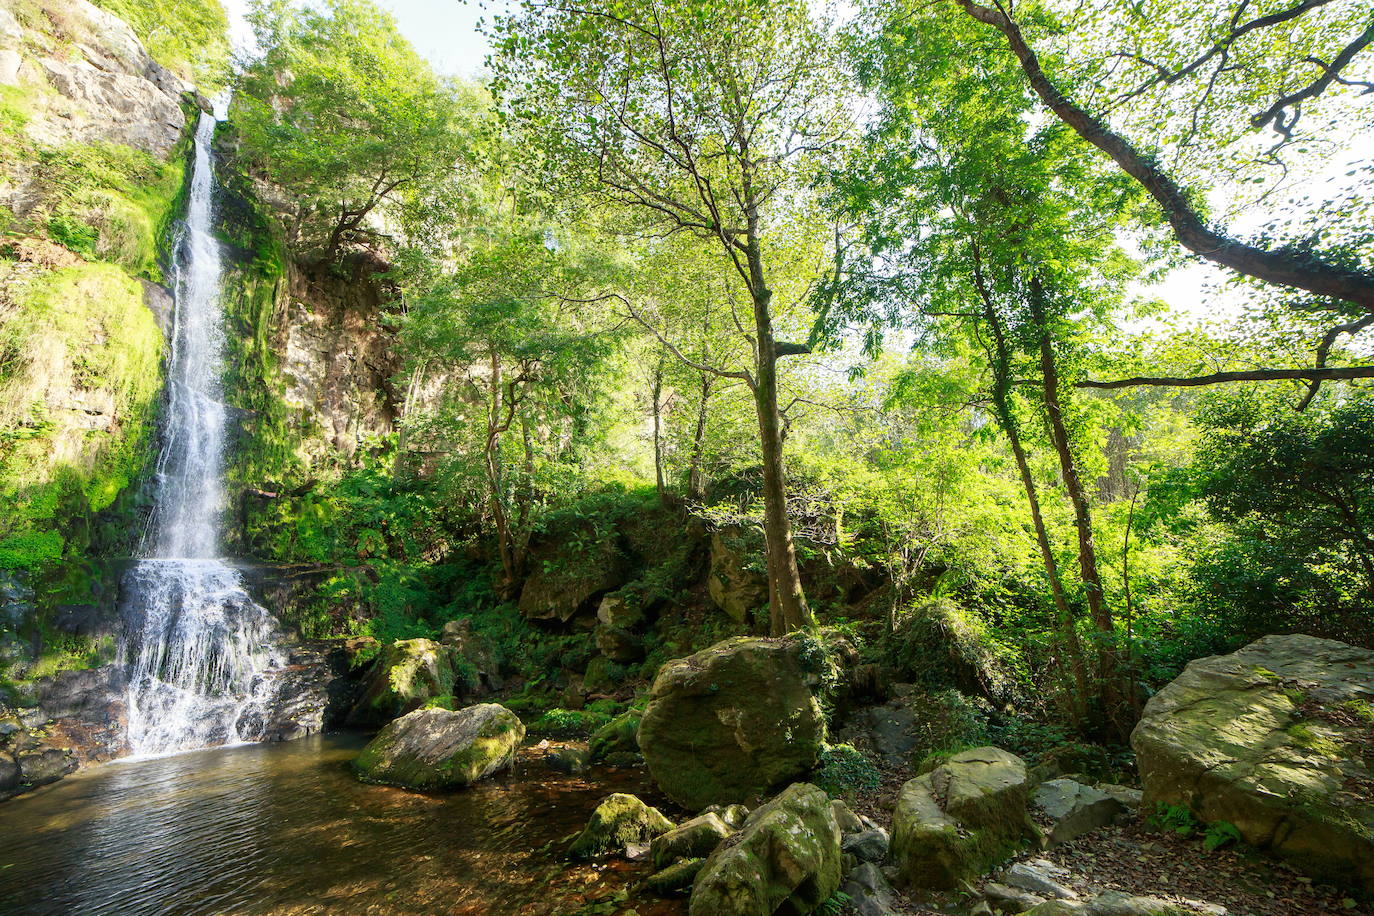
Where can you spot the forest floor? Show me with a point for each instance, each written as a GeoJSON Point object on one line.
{"type": "Point", "coordinates": [1139, 860]}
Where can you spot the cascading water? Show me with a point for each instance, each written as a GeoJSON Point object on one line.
{"type": "Point", "coordinates": [198, 647]}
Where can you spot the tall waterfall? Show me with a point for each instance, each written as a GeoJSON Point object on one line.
{"type": "Point", "coordinates": [197, 645]}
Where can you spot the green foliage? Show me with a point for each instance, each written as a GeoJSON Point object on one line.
{"type": "Point", "coordinates": [569, 723]}
{"type": "Point", "coordinates": [844, 772]}
{"type": "Point", "coordinates": [947, 721]}
{"type": "Point", "coordinates": [188, 37]}
{"type": "Point", "coordinates": [835, 905]}
{"type": "Point", "coordinates": [1177, 819]}
{"type": "Point", "coordinates": [1219, 834]}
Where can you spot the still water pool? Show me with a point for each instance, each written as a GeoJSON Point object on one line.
{"type": "Point", "coordinates": [285, 828]}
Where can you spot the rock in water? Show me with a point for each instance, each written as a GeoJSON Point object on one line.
{"type": "Point", "coordinates": [1277, 739]}
{"type": "Point", "coordinates": [438, 749]}
{"type": "Point", "coordinates": [403, 677]}
{"type": "Point", "coordinates": [619, 821]}
{"type": "Point", "coordinates": [960, 819]}
{"type": "Point", "coordinates": [785, 860]}
{"type": "Point", "coordinates": [732, 722]}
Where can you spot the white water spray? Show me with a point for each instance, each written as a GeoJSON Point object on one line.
{"type": "Point", "coordinates": [198, 646]}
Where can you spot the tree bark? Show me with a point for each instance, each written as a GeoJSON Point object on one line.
{"type": "Point", "coordinates": [492, 464]}
{"type": "Point", "coordinates": [696, 479]}
{"type": "Point", "coordinates": [656, 391]}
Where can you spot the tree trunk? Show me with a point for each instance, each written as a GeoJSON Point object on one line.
{"type": "Point", "coordinates": [492, 462]}
{"type": "Point", "coordinates": [788, 610]}
{"type": "Point", "coordinates": [656, 390]}
{"type": "Point", "coordinates": [696, 479]}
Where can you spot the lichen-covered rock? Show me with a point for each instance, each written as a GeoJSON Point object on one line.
{"type": "Point", "coordinates": [476, 668]}
{"type": "Point", "coordinates": [960, 819]}
{"type": "Point", "coordinates": [615, 611]}
{"type": "Point", "coordinates": [439, 749]}
{"type": "Point", "coordinates": [1277, 739]}
{"type": "Point", "coordinates": [404, 676]}
{"type": "Point", "coordinates": [785, 860]}
{"type": "Point", "coordinates": [1074, 809]}
{"type": "Point", "coordinates": [735, 584]}
{"type": "Point", "coordinates": [694, 839]}
{"type": "Point", "coordinates": [619, 821]}
{"type": "Point", "coordinates": [733, 721]}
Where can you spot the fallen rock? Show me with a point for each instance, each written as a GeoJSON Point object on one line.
{"type": "Point", "coordinates": [1129, 798]}
{"type": "Point", "coordinates": [439, 749]}
{"type": "Point", "coordinates": [1006, 899]}
{"type": "Point", "coordinates": [733, 815]}
{"type": "Point", "coordinates": [1040, 877]}
{"type": "Point", "coordinates": [869, 892]}
{"type": "Point", "coordinates": [844, 816]}
{"type": "Point", "coordinates": [694, 839]}
{"type": "Point", "coordinates": [1275, 739]}
{"type": "Point", "coordinates": [476, 669]}
{"type": "Point", "coordinates": [867, 845]}
{"type": "Point", "coordinates": [1112, 903]}
{"type": "Point", "coordinates": [733, 721]}
{"type": "Point", "coordinates": [1074, 809]}
{"type": "Point", "coordinates": [619, 821]}
{"type": "Point", "coordinates": [785, 860]}
{"type": "Point", "coordinates": [569, 760]}
{"type": "Point", "coordinates": [960, 819]}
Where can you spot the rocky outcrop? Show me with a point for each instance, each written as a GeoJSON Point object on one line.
{"type": "Point", "coordinates": [618, 822]}
{"type": "Point", "coordinates": [582, 567]}
{"type": "Point", "coordinates": [404, 676]}
{"type": "Point", "coordinates": [617, 740]}
{"type": "Point", "coordinates": [314, 691]}
{"type": "Point", "coordinates": [735, 582]}
{"type": "Point", "coordinates": [734, 721]}
{"type": "Point", "coordinates": [439, 749]}
{"type": "Point", "coordinates": [786, 859]}
{"type": "Point", "coordinates": [960, 819]}
{"type": "Point", "coordinates": [1277, 739]}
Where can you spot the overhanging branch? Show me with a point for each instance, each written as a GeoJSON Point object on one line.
{"type": "Point", "coordinates": [1221, 378]}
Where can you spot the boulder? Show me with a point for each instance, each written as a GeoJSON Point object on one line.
{"type": "Point", "coordinates": [569, 760]}
{"type": "Point", "coordinates": [869, 892]}
{"type": "Point", "coordinates": [1040, 877]}
{"type": "Point", "coordinates": [439, 749]}
{"type": "Point", "coordinates": [403, 677]}
{"type": "Point", "coordinates": [785, 860]}
{"type": "Point", "coordinates": [844, 816]}
{"type": "Point", "coordinates": [733, 815]}
{"type": "Point", "coordinates": [1129, 798]}
{"type": "Point", "coordinates": [1112, 903]}
{"type": "Point", "coordinates": [618, 645]}
{"type": "Point", "coordinates": [603, 676]}
{"type": "Point", "coordinates": [1277, 739]}
{"type": "Point", "coordinates": [736, 585]}
{"type": "Point", "coordinates": [732, 722]}
{"type": "Point", "coordinates": [616, 740]}
{"type": "Point", "coordinates": [960, 819]}
{"type": "Point", "coordinates": [694, 839]}
{"type": "Point", "coordinates": [571, 571]}
{"type": "Point", "coordinates": [675, 879]}
{"type": "Point", "coordinates": [615, 611]}
{"type": "Point", "coordinates": [476, 668]}
{"type": "Point", "coordinates": [619, 821]}
{"type": "Point", "coordinates": [1074, 809]}
{"type": "Point", "coordinates": [869, 845]}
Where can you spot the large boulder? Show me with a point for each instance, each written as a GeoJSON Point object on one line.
{"type": "Point", "coordinates": [439, 749]}
{"type": "Point", "coordinates": [960, 819]}
{"type": "Point", "coordinates": [619, 821]}
{"type": "Point", "coordinates": [1277, 739]}
{"type": "Point", "coordinates": [572, 570]}
{"type": "Point", "coordinates": [786, 859]}
{"type": "Point", "coordinates": [404, 676]}
{"type": "Point", "coordinates": [734, 721]}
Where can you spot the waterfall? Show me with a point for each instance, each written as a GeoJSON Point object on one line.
{"type": "Point", "coordinates": [197, 646]}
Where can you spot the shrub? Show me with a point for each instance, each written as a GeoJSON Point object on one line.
{"type": "Point", "coordinates": [844, 772]}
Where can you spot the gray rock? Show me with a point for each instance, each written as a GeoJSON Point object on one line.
{"type": "Point", "coordinates": [1131, 800]}
{"type": "Point", "coordinates": [869, 892]}
{"type": "Point", "coordinates": [436, 748]}
{"type": "Point", "coordinates": [867, 845]}
{"type": "Point", "coordinates": [1074, 809]}
{"type": "Point", "coordinates": [694, 839]}
{"type": "Point", "coordinates": [1006, 899]}
{"type": "Point", "coordinates": [1039, 876]}
{"type": "Point", "coordinates": [1116, 903]}
{"type": "Point", "coordinates": [615, 612]}
{"type": "Point", "coordinates": [844, 816]}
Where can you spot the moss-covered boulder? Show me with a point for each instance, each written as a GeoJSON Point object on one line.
{"type": "Point", "coordinates": [675, 879]}
{"type": "Point", "coordinates": [694, 839]}
{"type": "Point", "coordinates": [960, 819]}
{"type": "Point", "coordinates": [404, 676]}
{"type": "Point", "coordinates": [733, 722]}
{"type": "Point", "coordinates": [439, 749]}
{"type": "Point", "coordinates": [1277, 739]}
{"type": "Point", "coordinates": [619, 821]}
{"type": "Point", "coordinates": [572, 570]}
{"type": "Point", "coordinates": [617, 739]}
{"type": "Point", "coordinates": [785, 860]}
{"type": "Point", "coordinates": [736, 581]}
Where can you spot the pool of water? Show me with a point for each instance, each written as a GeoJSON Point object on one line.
{"type": "Point", "coordinates": [285, 828]}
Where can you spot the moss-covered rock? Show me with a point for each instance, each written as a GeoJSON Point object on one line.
{"type": "Point", "coordinates": [785, 860]}
{"type": "Point", "coordinates": [736, 582]}
{"type": "Point", "coordinates": [960, 819]}
{"type": "Point", "coordinates": [439, 749]}
{"type": "Point", "coordinates": [732, 722]}
{"type": "Point", "coordinates": [694, 839]}
{"type": "Point", "coordinates": [404, 676]}
{"type": "Point", "coordinates": [603, 675]}
{"type": "Point", "coordinates": [675, 879]}
{"type": "Point", "coordinates": [1277, 739]}
{"type": "Point", "coordinates": [617, 737]}
{"type": "Point", "coordinates": [619, 821]}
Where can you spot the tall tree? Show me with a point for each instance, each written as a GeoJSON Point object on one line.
{"type": "Point", "coordinates": [695, 117]}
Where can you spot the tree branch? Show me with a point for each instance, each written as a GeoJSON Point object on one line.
{"type": "Point", "coordinates": [1220, 378]}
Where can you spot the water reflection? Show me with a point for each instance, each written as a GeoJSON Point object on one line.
{"type": "Point", "coordinates": [285, 829]}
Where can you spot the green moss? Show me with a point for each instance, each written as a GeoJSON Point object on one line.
{"type": "Point", "coordinates": [1305, 737]}
{"type": "Point", "coordinates": [619, 821]}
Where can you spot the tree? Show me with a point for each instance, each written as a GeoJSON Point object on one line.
{"type": "Point", "coordinates": [342, 114]}
{"type": "Point", "coordinates": [696, 117]}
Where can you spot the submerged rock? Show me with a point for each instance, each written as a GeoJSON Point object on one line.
{"type": "Point", "coordinates": [439, 749]}
{"type": "Point", "coordinates": [1276, 739]}
{"type": "Point", "coordinates": [785, 860]}
{"type": "Point", "coordinates": [960, 819]}
{"type": "Point", "coordinates": [619, 821]}
{"type": "Point", "coordinates": [732, 722]}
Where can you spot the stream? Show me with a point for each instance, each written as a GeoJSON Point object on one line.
{"type": "Point", "coordinates": [286, 828]}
